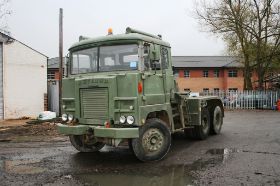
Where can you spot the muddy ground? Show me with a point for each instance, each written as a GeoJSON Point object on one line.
{"type": "Point", "coordinates": [247, 152]}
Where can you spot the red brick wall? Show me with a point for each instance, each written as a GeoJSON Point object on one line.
{"type": "Point", "coordinates": [56, 75]}
{"type": "Point", "coordinates": [196, 82]}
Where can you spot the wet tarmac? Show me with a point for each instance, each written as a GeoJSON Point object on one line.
{"type": "Point", "coordinates": [247, 152]}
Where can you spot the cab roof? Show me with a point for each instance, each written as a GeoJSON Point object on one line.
{"type": "Point", "coordinates": [117, 39]}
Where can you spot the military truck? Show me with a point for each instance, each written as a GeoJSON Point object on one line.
{"type": "Point", "coordinates": [121, 88]}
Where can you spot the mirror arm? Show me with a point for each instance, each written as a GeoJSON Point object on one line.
{"type": "Point", "coordinates": [67, 65]}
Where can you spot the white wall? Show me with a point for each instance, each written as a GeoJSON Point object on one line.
{"type": "Point", "coordinates": [25, 81]}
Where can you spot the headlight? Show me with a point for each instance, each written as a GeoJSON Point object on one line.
{"type": "Point", "coordinates": [130, 120]}
{"type": "Point", "coordinates": [64, 117]}
{"type": "Point", "coordinates": [70, 117]}
{"type": "Point", "coordinates": [122, 119]}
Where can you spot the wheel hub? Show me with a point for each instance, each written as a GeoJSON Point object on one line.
{"type": "Point", "coordinates": [152, 140]}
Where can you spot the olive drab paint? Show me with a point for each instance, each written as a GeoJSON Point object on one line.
{"type": "Point", "coordinates": [99, 97]}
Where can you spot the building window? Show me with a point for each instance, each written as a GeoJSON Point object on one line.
{"type": "Point", "coordinates": [205, 73]}
{"type": "Point", "coordinates": [232, 73]}
{"type": "Point", "coordinates": [186, 73]}
{"type": "Point", "coordinates": [176, 73]}
{"type": "Point", "coordinates": [216, 73]}
{"type": "Point", "coordinates": [205, 90]}
{"type": "Point", "coordinates": [216, 89]}
{"type": "Point", "coordinates": [271, 74]}
{"type": "Point", "coordinates": [233, 89]}
{"type": "Point", "coordinates": [187, 89]}
{"type": "Point", "coordinates": [51, 75]}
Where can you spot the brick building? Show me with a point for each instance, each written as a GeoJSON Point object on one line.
{"type": "Point", "coordinates": [53, 68]}
{"type": "Point", "coordinates": [208, 73]}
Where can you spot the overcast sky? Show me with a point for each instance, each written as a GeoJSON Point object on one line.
{"type": "Point", "coordinates": [35, 22]}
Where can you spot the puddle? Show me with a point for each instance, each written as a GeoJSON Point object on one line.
{"type": "Point", "coordinates": [167, 176]}
{"type": "Point", "coordinates": [225, 152]}
{"type": "Point", "coordinates": [21, 167]}
{"type": "Point", "coordinates": [222, 151]}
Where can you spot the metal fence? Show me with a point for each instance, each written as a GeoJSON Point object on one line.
{"type": "Point", "coordinates": [53, 96]}
{"type": "Point", "coordinates": [247, 99]}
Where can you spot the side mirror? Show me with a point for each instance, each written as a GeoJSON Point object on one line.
{"type": "Point", "coordinates": [146, 49]}
{"type": "Point", "coordinates": [155, 65]}
{"type": "Point", "coordinates": [154, 52]}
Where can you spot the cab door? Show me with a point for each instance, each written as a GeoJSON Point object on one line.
{"type": "Point", "coordinates": [167, 72]}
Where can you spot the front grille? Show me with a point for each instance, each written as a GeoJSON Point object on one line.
{"type": "Point", "coordinates": [94, 103]}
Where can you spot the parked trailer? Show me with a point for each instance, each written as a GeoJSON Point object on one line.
{"type": "Point", "coordinates": [121, 87]}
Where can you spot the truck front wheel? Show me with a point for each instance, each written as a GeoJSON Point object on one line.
{"type": "Point", "coordinates": [78, 141]}
{"type": "Point", "coordinates": [154, 141]}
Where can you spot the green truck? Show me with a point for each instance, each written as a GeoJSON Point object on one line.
{"type": "Point", "coordinates": [121, 88]}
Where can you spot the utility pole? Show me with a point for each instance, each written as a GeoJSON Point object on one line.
{"type": "Point", "coordinates": [60, 56]}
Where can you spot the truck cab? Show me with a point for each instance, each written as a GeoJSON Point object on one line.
{"type": "Point", "coordinates": [121, 88]}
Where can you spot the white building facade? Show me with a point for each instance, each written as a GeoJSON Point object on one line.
{"type": "Point", "coordinates": [23, 79]}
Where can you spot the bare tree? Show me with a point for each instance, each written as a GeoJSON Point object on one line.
{"type": "Point", "coordinates": [251, 29]}
{"type": "Point", "coordinates": [4, 12]}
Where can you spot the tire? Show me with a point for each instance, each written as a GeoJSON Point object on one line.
{"type": "Point", "coordinates": [190, 133]}
{"type": "Point", "coordinates": [130, 145]}
{"type": "Point", "coordinates": [154, 141]}
{"type": "Point", "coordinates": [202, 131]}
{"type": "Point", "coordinates": [78, 142]}
{"type": "Point", "coordinates": [217, 121]}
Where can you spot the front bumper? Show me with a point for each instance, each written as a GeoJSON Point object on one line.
{"type": "Point", "coordinates": [98, 131]}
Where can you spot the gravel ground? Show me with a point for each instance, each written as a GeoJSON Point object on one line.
{"type": "Point", "coordinates": [247, 152]}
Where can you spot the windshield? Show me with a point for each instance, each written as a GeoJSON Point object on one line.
{"type": "Point", "coordinates": [107, 58]}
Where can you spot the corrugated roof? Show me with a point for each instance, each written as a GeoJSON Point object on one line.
{"type": "Point", "coordinates": [206, 61]}
{"type": "Point", "coordinates": [54, 62]}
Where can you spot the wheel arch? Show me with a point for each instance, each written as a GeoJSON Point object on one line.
{"type": "Point", "coordinates": [162, 115]}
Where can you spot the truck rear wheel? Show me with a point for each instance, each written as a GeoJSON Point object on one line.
{"type": "Point", "coordinates": [201, 131]}
{"type": "Point", "coordinates": [78, 141]}
{"type": "Point", "coordinates": [217, 121]}
{"type": "Point", "coordinates": [154, 141]}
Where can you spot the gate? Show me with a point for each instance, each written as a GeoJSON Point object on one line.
{"type": "Point", "coordinates": [247, 99]}
{"type": "Point", "coordinates": [53, 96]}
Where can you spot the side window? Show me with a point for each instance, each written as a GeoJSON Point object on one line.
{"type": "Point", "coordinates": [146, 57]}
{"type": "Point", "coordinates": [81, 63]}
{"type": "Point", "coordinates": [164, 57]}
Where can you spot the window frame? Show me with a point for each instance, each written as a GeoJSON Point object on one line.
{"type": "Point", "coordinates": [98, 58]}
{"type": "Point", "coordinates": [52, 73]}
{"type": "Point", "coordinates": [216, 73]}
{"type": "Point", "coordinates": [233, 73]}
{"type": "Point", "coordinates": [188, 74]}
{"type": "Point", "coordinates": [176, 73]}
{"type": "Point", "coordinates": [232, 89]}
{"type": "Point", "coordinates": [204, 72]}
{"type": "Point", "coordinates": [164, 66]}
{"type": "Point", "coordinates": [205, 90]}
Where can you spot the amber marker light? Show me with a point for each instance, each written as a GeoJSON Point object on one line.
{"type": "Point", "coordinates": [140, 87]}
{"type": "Point", "coordinates": [107, 124]}
{"type": "Point", "coordinates": [110, 31]}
